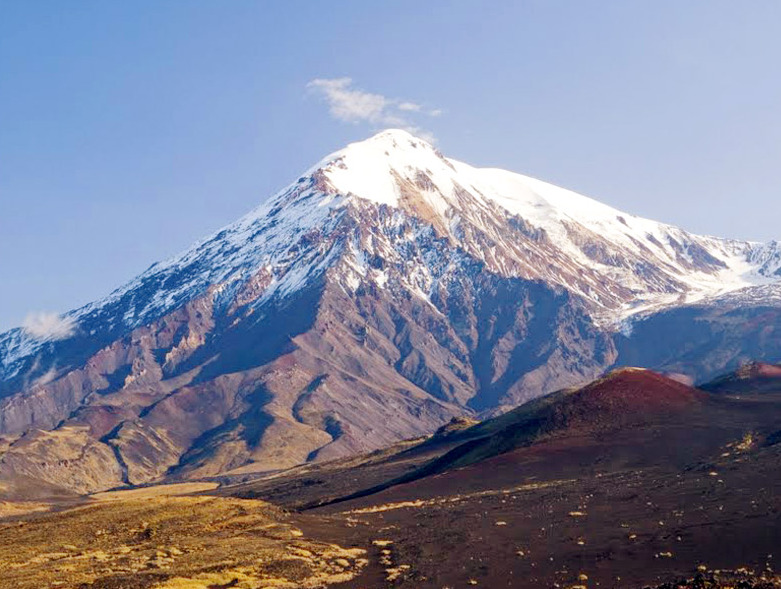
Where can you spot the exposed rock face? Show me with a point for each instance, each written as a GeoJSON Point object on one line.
{"type": "Point", "coordinates": [707, 339]}
{"type": "Point", "coordinates": [387, 291]}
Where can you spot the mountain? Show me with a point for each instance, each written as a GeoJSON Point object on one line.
{"type": "Point", "coordinates": [386, 291]}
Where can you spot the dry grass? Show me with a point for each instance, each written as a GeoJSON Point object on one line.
{"type": "Point", "coordinates": [165, 542]}
{"type": "Point", "coordinates": [456, 498]}
{"type": "Point", "coordinates": [16, 508]}
{"type": "Point", "coordinates": [155, 491]}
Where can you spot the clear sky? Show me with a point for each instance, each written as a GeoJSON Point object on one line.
{"type": "Point", "coordinates": [129, 130]}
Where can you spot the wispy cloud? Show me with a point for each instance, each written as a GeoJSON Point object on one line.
{"type": "Point", "coordinates": [410, 106]}
{"type": "Point", "coordinates": [353, 105]}
{"type": "Point", "coordinates": [48, 326]}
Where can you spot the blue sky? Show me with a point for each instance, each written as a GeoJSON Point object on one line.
{"type": "Point", "coordinates": [130, 129]}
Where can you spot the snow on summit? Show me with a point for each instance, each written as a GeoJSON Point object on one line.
{"type": "Point", "coordinates": [397, 169]}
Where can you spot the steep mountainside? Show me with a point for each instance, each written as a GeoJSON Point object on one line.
{"type": "Point", "coordinates": [384, 292]}
{"type": "Point", "coordinates": [708, 338]}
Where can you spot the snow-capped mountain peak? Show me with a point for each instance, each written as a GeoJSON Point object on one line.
{"type": "Point", "coordinates": [515, 225]}
{"type": "Point", "coordinates": [653, 264]}
{"type": "Point", "coordinates": [386, 290]}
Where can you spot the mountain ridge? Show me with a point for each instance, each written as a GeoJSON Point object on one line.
{"type": "Point", "coordinates": [335, 183]}
{"type": "Point", "coordinates": [386, 291]}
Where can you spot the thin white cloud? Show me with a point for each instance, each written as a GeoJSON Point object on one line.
{"type": "Point", "coordinates": [48, 326]}
{"type": "Point", "coordinates": [410, 106]}
{"type": "Point", "coordinates": [353, 105]}
{"type": "Point", "coordinates": [348, 104]}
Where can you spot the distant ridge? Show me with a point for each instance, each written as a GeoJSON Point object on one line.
{"type": "Point", "coordinates": [752, 377]}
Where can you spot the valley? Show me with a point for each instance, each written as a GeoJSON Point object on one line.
{"type": "Point", "coordinates": [635, 480]}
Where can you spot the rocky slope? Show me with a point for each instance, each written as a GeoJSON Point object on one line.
{"type": "Point", "coordinates": [384, 292]}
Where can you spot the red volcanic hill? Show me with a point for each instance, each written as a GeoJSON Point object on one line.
{"type": "Point", "coordinates": [623, 396]}
{"type": "Point", "coordinates": [753, 377]}
{"type": "Point", "coordinates": [624, 399]}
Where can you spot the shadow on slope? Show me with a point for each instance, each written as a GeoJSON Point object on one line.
{"type": "Point", "coordinates": [630, 419]}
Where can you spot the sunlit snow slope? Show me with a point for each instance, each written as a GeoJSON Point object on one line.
{"type": "Point", "coordinates": [622, 262]}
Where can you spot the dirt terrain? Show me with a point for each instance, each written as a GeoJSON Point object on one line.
{"type": "Point", "coordinates": [634, 481]}
{"type": "Point", "coordinates": [491, 525]}
{"type": "Point", "coordinates": [656, 482]}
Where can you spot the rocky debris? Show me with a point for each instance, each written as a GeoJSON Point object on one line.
{"type": "Point", "coordinates": [724, 579]}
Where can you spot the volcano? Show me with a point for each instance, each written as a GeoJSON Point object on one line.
{"type": "Point", "coordinates": [386, 291]}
